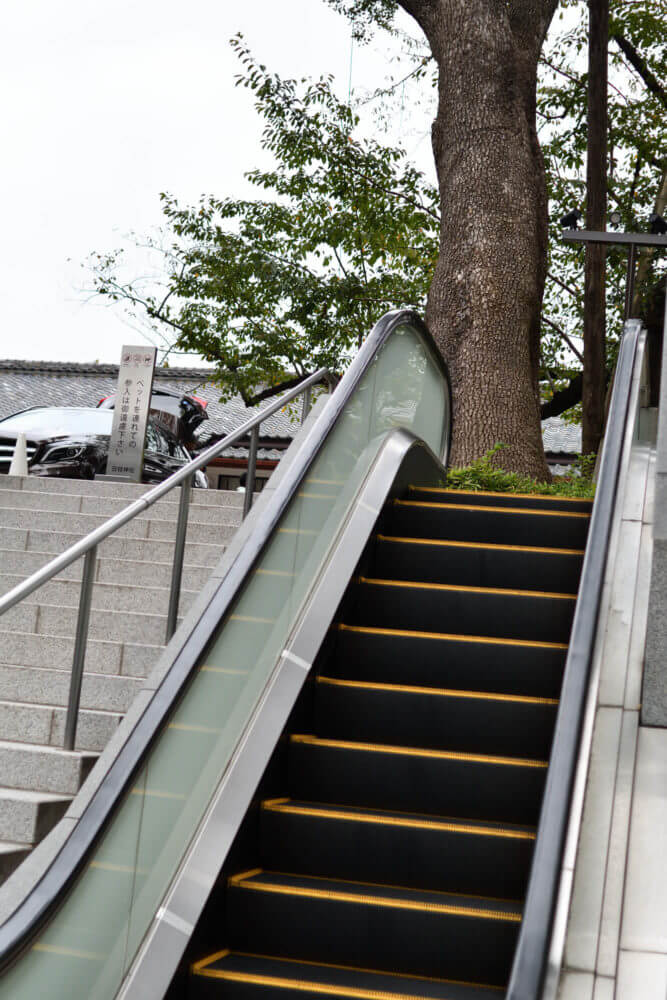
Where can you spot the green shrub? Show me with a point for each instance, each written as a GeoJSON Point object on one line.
{"type": "Point", "coordinates": [485, 475]}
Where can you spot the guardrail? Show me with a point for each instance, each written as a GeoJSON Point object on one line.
{"type": "Point", "coordinates": [87, 546]}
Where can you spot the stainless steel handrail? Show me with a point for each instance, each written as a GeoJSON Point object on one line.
{"type": "Point", "coordinates": [87, 546]}
{"type": "Point", "coordinates": [530, 958]}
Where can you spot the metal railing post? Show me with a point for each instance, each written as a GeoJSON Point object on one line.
{"type": "Point", "coordinates": [179, 551]}
{"type": "Point", "coordinates": [305, 404]}
{"type": "Point", "coordinates": [79, 648]}
{"type": "Point", "coordinates": [252, 469]}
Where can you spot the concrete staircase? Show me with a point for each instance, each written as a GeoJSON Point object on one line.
{"type": "Point", "coordinates": [38, 519]}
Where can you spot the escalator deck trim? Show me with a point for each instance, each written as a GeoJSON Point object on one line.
{"type": "Point", "coordinates": [285, 806]}
{"type": "Point", "coordinates": [450, 636]}
{"type": "Point", "coordinates": [438, 692]}
{"type": "Point", "coordinates": [417, 752]}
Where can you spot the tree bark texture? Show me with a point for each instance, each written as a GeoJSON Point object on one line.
{"type": "Point", "coordinates": [594, 380]}
{"type": "Point", "coordinates": [484, 303]}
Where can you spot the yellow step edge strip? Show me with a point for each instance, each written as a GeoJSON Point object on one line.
{"type": "Point", "coordinates": [304, 986]}
{"type": "Point", "coordinates": [498, 510]}
{"type": "Point", "coordinates": [468, 590]}
{"type": "Point", "coordinates": [442, 692]}
{"type": "Point", "coordinates": [284, 806]}
{"type": "Point", "coordinates": [197, 968]}
{"type": "Point", "coordinates": [492, 493]}
{"type": "Point", "coordinates": [450, 637]}
{"type": "Point", "coordinates": [480, 545]}
{"type": "Point", "coordinates": [417, 752]}
{"type": "Point", "coordinates": [400, 888]}
{"type": "Point", "coordinates": [380, 972]}
{"type": "Point", "coordinates": [215, 957]}
{"type": "Point", "coordinates": [339, 896]}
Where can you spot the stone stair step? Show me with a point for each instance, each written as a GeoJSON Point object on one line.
{"type": "Point", "coordinates": [43, 769]}
{"type": "Point", "coordinates": [45, 686]}
{"type": "Point", "coordinates": [26, 817]}
{"type": "Point", "coordinates": [98, 487]}
{"type": "Point", "coordinates": [144, 574]}
{"type": "Point", "coordinates": [146, 550]}
{"type": "Point", "coordinates": [33, 650]}
{"type": "Point", "coordinates": [209, 528]}
{"type": "Point", "coordinates": [150, 574]}
{"type": "Point", "coordinates": [106, 596]}
{"type": "Point", "coordinates": [22, 722]}
{"type": "Point", "coordinates": [72, 503]}
{"type": "Point", "coordinates": [116, 626]}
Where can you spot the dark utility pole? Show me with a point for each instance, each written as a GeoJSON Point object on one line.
{"type": "Point", "coordinates": [593, 386]}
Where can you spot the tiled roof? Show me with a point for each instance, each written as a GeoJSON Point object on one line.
{"type": "Point", "coordinates": [50, 383]}
{"type": "Point", "coordinates": [561, 438]}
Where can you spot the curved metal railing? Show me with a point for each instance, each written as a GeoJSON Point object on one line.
{"type": "Point", "coordinates": [87, 546]}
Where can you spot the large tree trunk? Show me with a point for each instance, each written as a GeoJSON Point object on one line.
{"type": "Point", "coordinates": [484, 303]}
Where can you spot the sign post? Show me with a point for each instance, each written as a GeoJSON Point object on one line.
{"type": "Point", "coordinates": [130, 415]}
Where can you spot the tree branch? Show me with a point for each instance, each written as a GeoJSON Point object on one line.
{"type": "Point", "coordinates": [562, 334]}
{"type": "Point", "coordinates": [574, 292]}
{"type": "Point", "coordinates": [640, 65]}
{"type": "Point", "coordinates": [563, 400]}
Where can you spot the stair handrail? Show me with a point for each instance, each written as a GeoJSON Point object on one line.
{"type": "Point", "coordinates": [530, 958]}
{"type": "Point", "coordinates": [87, 546]}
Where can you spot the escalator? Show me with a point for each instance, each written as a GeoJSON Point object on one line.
{"type": "Point", "coordinates": [353, 777]}
{"type": "Point", "coordinates": [394, 856]}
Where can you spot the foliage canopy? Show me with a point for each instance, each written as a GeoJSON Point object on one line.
{"type": "Point", "coordinates": [344, 229]}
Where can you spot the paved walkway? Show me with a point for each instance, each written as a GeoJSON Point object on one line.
{"type": "Point", "coordinates": [616, 939]}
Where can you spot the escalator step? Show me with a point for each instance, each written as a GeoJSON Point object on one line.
{"type": "Point", "coordinates": [478, 565]}
{"type": "Point", "coordinates": [424, 852]}
{"type": "Point", "coordinates": [533, 501]}
{"type": "Point", "coordinates": [228, 974]}
{"type": "Point", "coordinates": [474, 523]}
{"type": "Point", "coordinates": [437, 659]}
{"type": "Point", "coordinates": [503, 789]}
{"type": "Point", "coordinates": [411, 931]}
{"type": "Point", "coordinates": [440, 719]}
{"type": "Point", "coordinates": [440, 607]}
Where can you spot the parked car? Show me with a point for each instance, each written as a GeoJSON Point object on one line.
{"type": "Point", "coordinates": [73, 443]}
{"type": "Point", "coordinates": [178, 412]}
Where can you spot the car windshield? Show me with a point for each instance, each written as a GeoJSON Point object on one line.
{"type": "Point", "coordinates": [60, 422]}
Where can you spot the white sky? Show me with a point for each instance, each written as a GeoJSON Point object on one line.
{"type": "Point", "coordinates": [106, 104]}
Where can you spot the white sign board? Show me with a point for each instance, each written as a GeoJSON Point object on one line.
{"type": "Point", "coordinates": [130, 415]}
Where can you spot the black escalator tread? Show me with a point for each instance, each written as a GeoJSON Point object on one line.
{"type": "Point", "coordinates": [475, 523]}
{"type": "Point", "coordinates": [533, 501]}
{"type": "Point", "coordinates": [435, 718]}
{"type": "Point", "coordinates": [411, 779]}
{"type": "Point", "coordinates": [440, 607]}
{"type": "Point", "coordinates": [388, 928]}
{"type": "Point", "coordinates": [437, 659]}
{"type": "Point", "coordinates": [234, 974]}
{"type": "Point", "coordinates": [357, 844]}
{"type": "Point", "coordinates": [478, 564]}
